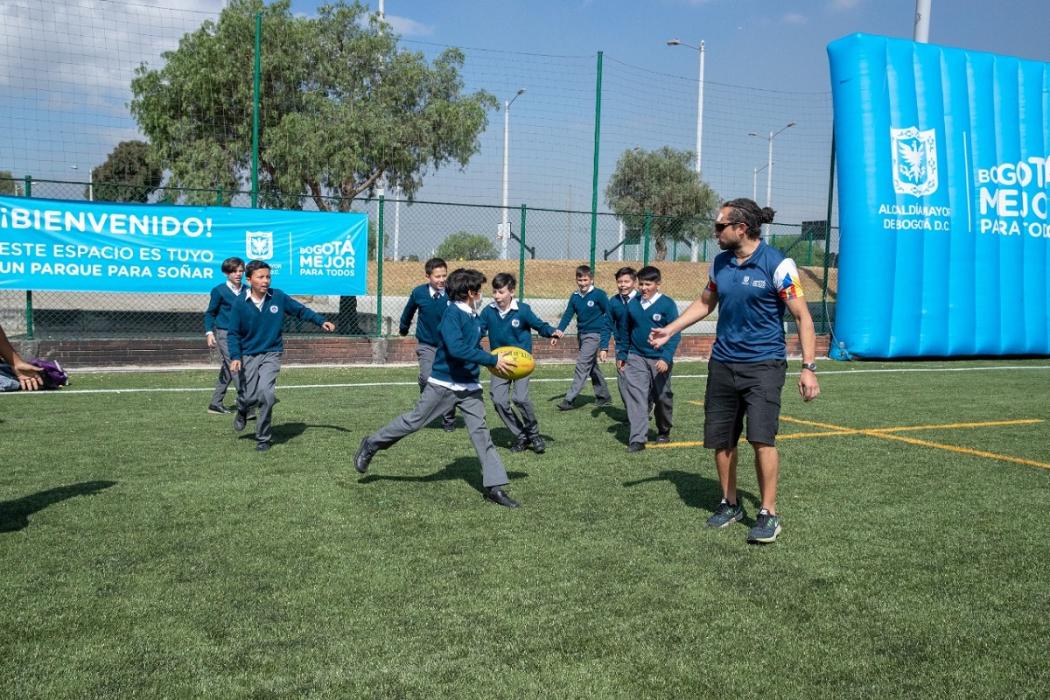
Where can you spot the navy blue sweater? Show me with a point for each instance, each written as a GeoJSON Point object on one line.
{"type": "Point", "coordinates": [638, 322]}
{"type": "Point", "coordinates": [592, 314]}
{"type": "Point", "coordinates": [220, 307]}
{"type": "Point", "coordinates": [459, 352]}
{"type": "Point", "coordinates": [515, 328]}
{"type": "Point", "coordinates": [254, 331]}
{"type": "Point", "coordinates": [617, 311]}
{"type": "Point", "coordinates": [430, 312]}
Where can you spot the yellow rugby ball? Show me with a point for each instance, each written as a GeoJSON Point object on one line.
{"type": "Point", "coordinates": [522, 359]}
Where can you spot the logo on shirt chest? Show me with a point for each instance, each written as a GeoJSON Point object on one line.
{"type": "Point", "coordinates": [757, 283]}
{"type": "Point", "coordinates": [273, 309]}
{"type": "Point", "coordinates": [657, 317]}
{"type": "Point", "coordinates": [515, 322]}
{"type": "Point", "coordinates": [590, 303]}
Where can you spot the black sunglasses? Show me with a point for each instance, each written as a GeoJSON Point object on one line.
{"type": "Point", "coordinates": [721, 227]}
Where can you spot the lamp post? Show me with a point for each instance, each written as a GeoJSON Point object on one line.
{"type": "Point", "coordinates": [699, 118]}
{"type": "Point", "coordinates": [505, 223]}
{"type": "Point", "coordinates": [91, 182]}
{"type": "Point", "coordinates": [754, 181]}
{"type": "Point", "coordinates": [769, 160]}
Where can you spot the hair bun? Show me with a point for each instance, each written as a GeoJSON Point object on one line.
{"type": "Point", "coordinates": [767, 215]}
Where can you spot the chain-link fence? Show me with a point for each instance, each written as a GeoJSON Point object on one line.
{"type": "Point", "coordinates": [542, 249]}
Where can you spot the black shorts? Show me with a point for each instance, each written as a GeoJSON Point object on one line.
{"type": "Point", "coordinates": [738, 389]}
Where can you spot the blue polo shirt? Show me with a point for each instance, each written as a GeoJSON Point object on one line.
{"type": "Point", "coordinates": [751, 304]}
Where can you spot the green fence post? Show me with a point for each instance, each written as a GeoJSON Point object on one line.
{"type": "Point", "coordinates": [255, 109]}
{"type": "Point", "coordinates": [521, 256]}
{"type": "Point", "coordinates": [827, 234]}
{"type": "Point", "coordinates": [27, 191]}
{"type": "Point", "coordinates": [645, 241]}
{"type": "Point", "coordinates": [379, 271]}
{"type": "Point", "coordinates": [594, 169]}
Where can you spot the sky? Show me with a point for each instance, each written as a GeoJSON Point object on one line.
{"type": "Point", "coordinates": [65, 66]}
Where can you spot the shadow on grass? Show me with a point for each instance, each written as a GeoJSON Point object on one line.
{"type": "Point", "coordinates": [502, 437]}
{"type": "Point", "coordinates": [286, 432]}
{"type": "Point", "coordinates": [14, 515]}
{"type": "Point", "coordinates": [620, 431]}
{"type": "Point", "coordinates": [463, 469]}
{"type": "Point", "coordinates": [695, 491]}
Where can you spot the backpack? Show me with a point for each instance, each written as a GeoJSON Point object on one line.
{"type": "Point", "coordinates": [51, 373]}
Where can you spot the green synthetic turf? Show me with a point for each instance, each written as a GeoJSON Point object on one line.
{"type": "Point", "coordinates": [149, 551]}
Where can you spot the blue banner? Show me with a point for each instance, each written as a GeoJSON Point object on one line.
{"type": "Point", "coordinates": [50, 244]}
{"type": "Point", "coordinates": [944, 179]}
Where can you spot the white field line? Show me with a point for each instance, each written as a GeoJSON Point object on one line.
{"type": "Point", "coordinates": [565, 380]}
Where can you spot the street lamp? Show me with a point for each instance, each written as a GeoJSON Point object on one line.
{"type": "Point", "coordinates": [505, 225]}
{"type": "Point", "coordinates": [91, 182]}
{"type": "Point", "coordinates": [754, 181]}
{"type": "Point", "coordinates": [769, 160]}
{"type": "Point", "coordinates": [699, 116]}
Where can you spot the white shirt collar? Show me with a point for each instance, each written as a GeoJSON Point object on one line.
{"type": "Point", "coordinates": [647, 303]}
{"type": "Point", "coordinates": [466, 307]}
{"type": "Point", "coordinates": [235, 290]}
{"type": "Point", "coordinates": [503, 312]}
{"type": "Point", "coordinates": [632, 295]}
{"type": "Point", "coordinates": [589, 290]}
{"type": "Point", "coordinates": [433, 291]}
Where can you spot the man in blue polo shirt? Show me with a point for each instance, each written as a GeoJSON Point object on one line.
{"type": "Point", "coordinates": [751, 284]}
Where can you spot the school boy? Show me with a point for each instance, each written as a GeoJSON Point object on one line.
{"type": "Point", "coordinates": [454, 382]}
{"type": "Point", "coordinates": [590, 305]}
{"type": "Point", "coordinates": [217, 323]}
{"type": "Point", "coordinates": [256, 344]}
{"type": "Point", "coordinates": [626, 280]}
{"type": "Point", "coordinates": [509, 322]}
{"type": "Point", "coordinates": [430, 300]}
{"type": "Point", "coordinates": [647, 370]}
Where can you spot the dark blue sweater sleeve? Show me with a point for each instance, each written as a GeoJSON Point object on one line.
{"type": "Point", "coordinates": [233, 339]}
{"type": "Point", "coordinates": [603, 336]}
{"type": "Point", "coordinates": [302, 311]}
{"type": "Point", "coordinates": [533, 321]}
{"type": "Point", "coordinates": [213, 310]}
{"type": "Point", "coordinates": [566, 318]}
{"type": "Point", "coordinates": [668, 350]}
{"type": "Point", "coordinates": [457, 345]}
{"type": "Point", "coordinates": [408, 313]}
{"type": "Point", "coordinates": [622, 330]}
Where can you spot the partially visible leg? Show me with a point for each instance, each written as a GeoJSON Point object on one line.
{"type": "Point", "coordinates": [426, 354]}
{"type": "Point", "coordinates": [663, 399]}
{"type": "Point", "coordinates": [725, 464]}
{"type": "Point", "coordinates": [529, 424]}
{"type": "Point", "coordinates": [580, 373]}
{"type": "Point", "coordinates": [767, 469]}
{"type": "Point", "coordinates": [225, 375]}
{"type": "Point", "coordinates": [434, 401]}
{"type": "Point", "coordinates": [267, 368]}
{"type": "Point", "coordinates": [500, 390]}
{"type": "Point", "coordinates": [601, 388]}
{"type": "Point", "coordinates": [472, 406]}
{"type": "Point", "coordinates": [636, 388]}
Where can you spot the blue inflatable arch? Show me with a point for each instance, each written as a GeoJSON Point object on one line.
{"type": "Point", "coordinates": [944, 200]}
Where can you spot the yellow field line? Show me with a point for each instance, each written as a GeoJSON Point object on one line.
{"type": "Point", "coordinates": [890, 434]}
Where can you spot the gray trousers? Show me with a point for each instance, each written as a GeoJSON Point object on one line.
{"type": "Point", "coordinates": [225, 375]}
{"type": "Point", "coordinates": [587, 366]}
{"type": "Point", "coordinates": [435, 401]}
{"type": "Point", "coordinates": [259, 390]}
{"type": "Point", "coordinates": [503, 392]}
{"type": "Point", "coordinates": [425, 354]}
{"type": "Point", "coordinates": [644, 385]}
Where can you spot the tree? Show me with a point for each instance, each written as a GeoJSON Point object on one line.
{"type": "Point", "coordinates": [8, 184]}
{"type": "Point", "coordinates": [661, 183]}
{"type": "Point", "coordinates": [341, 106]}
{"type": "Point", "coordinates": [467, 246]}
{"type": "Point", "coordinates": [130, 174]}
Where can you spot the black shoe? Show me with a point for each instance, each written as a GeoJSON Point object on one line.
{"type": "Point", "coordinates": [636, 447]}
{"type": "Point", "coordinates": [218, 409]}
{"type": "Point", "coordinates": [538, 445]}
{"type": "Point", "coordinates": [500, 497]}
{"type": "Point", "coordinates": [566, 405]}
{"type": "Point", "coordinates": [663, 438]}
{"type": "Point", "coordinates": [364, 455]}
{"type": "Point", "coordinates": [262, 446]}
{"type": "Point", "coordinates": [238, 421]}
{"type": "Point", "coordinates": [521, 445]}
{"type": "Point", "coordinates": [602, 403]}
{"type": "Point", "coordinates": [449, 426]}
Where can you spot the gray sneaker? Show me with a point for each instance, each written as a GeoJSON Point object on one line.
{"type": "Point", "coordinates": [726, 514]}
{"type": "Point", "coordinates": [766, 529]}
